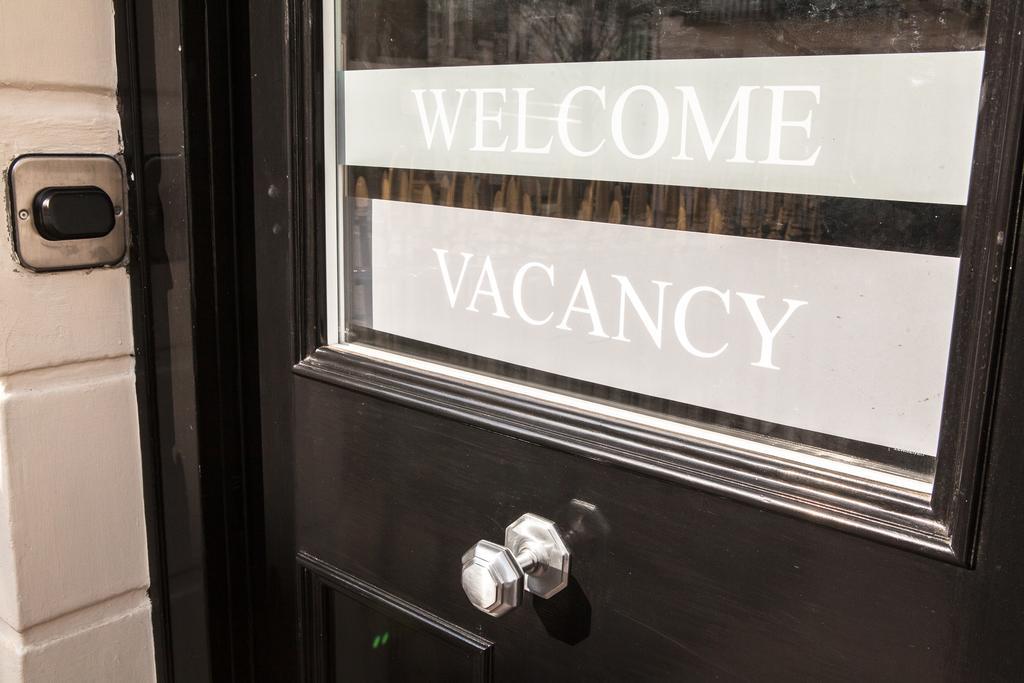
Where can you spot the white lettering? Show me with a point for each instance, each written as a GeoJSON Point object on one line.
{"type": "Point", "coordinates": [740, 107]}
{"type": "Point", "coordinates": [517, 291]}
{"type": "Point", "coordinates": [487, 272]}
{"type": "Point", "coordinates": [778, 123]}
{"type": "Point", "coordinates": [482, 118]}
{"type": "Point", "coordinates": [617, 122]}
{"type": "Point", "coordinates": [583, 286]}
{"type": "Point", "coordinates": [767, 335]}
{"type": "Point", "coordinates": [442, 260]}
{"type": "Point", "coordinates": [680, 320]}
{"type": "Point", "coordinates": [626, 291]}
{"type": "Point", "coordinates": [521, 145]}
{"type": "Point", "coordinates": [440, 116]}
{"type": "Point", "coordinates": [563, 120]}
{"type": "Point", "coordinates": [627, 120]}
{"type": "Point", "coordinates": [583, 301]}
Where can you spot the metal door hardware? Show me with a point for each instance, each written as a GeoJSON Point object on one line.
{"type": "Point", "coordinates": [67, 211]}
{"type": "Point", "coordinates": [534, 558]}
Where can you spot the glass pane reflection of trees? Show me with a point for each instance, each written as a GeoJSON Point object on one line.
{"type": "Point", "coordinates": [382, 34]}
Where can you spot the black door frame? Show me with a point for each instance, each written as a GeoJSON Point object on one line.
{"type": "Point", "coordinates": [183, 88]}
{"type": "Point", "coordinates": [200, 195]}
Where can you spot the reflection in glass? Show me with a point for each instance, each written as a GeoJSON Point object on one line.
{"type": "Point", "coordinates": [403, 33]}
{"type": "Point", "coordinates": [383, 34]}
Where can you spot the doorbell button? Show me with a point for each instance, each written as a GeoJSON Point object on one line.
{"type": "Point", "coordinates": [68, 211]}
{"type": "Point", "coordinates": [73, 213]}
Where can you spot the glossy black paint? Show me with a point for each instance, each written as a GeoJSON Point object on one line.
{"type": "Point", "coordinates": [130, 60]}
{"type": "Point", "coordinates": [181, 78]}
{"type": "Point", "coordinates": [679, 584]}
{"type": "Point", "coordinates": [691, 567]}
{"type": "Point", "coordinates": [343, 617]}
{"type": "Point", "coordinates": [282, 213]}
{"type": "Point", "coordinates": [708, 564]}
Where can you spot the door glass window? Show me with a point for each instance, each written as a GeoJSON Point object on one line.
{"type": "Point", "coordinates": [739, 215]}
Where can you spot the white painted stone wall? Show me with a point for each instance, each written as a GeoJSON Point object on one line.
{"type": "Point", "coordinates": [73, 563]}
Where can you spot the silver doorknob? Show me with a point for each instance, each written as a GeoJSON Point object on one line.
{"type": "Point", "coordinates": [534, 558]}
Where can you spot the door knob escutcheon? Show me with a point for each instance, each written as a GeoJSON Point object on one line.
{"type": "Point", "coordinates": [534, 558]}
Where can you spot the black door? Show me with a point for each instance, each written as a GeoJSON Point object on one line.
{"type": "Point", "coordinates": [720, 291]}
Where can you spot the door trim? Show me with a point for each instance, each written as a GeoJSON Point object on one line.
{"type": "Point", "coordinates": [183, 96]}
{"type": "Point", "coordinates": [841, 501]}
{"type": "Point", "coordinates": [320, 579]}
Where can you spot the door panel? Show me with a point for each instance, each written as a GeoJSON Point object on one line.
{"type": "Point", "coordinates": [372, 635]}
{"type": "Point", "coordinates": [692, 560]}
{"type": "Point", "coordinates": [670, 584]}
